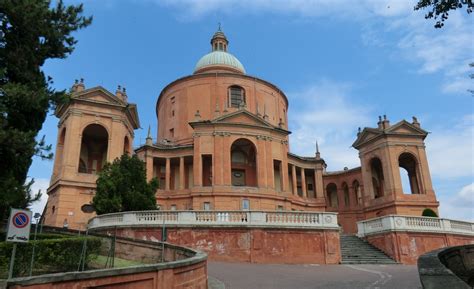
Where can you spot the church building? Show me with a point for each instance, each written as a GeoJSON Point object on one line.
{"type": "Point", "coordinates": [223, 144]}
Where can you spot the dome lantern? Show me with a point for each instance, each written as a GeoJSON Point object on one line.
{"type": "Point", "coordinates": [219, 59]}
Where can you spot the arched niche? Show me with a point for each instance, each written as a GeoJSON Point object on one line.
{"type": "Point", "coordinates": [126, 145]}
{"type": "Point", "coordinates": [357, 192]}
{"type": "Point", "coordinates": [331, 195]}
{"type": "Point", "coordinates": [345, 190]}
{"type": "Point", "coordinates": [376, 170]}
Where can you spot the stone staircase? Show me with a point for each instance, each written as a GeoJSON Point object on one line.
{"type": "Point", "coordinates": [357, 251]}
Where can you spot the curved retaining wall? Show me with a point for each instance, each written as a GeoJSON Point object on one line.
{"type": "Point", "coordinates": [241, 236]}
{"type": "Point", "coordinates": [183, 268]}
{"type": "Point", "coordinates": [451, 267]}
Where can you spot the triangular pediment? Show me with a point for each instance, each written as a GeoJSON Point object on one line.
{"type": "Point", "coordinates": [242, 117]}
{"type": "Point", "coordinates": [366, 135]}
{"type": "Point", "coordinates": [405, 128]}
{"type": "Point", "coordinates": [99, 95]}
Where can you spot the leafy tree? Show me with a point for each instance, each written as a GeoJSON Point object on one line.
{"type": "Point", "coordinates": [31, 31]}
{"type": "Point", "coordinates": [122, 186]}
{"type": "Point", "coordinates": [439, 9]}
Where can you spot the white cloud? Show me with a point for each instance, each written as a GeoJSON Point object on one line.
{"type": "Point", "coordinates": [449, 149]}
{"type": "Point", "coordinates": [305, 8]}
{"type": "Point", "coordinates": [39, 184]}
{"type": "Point", "coordinates": [416, 40]}
{"type": "Point", "coordinates": [325, 112]}
{"type": "Point", "coordinates": [460, 206]}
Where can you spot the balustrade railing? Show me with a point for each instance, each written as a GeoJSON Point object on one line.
{"type": "Point", "coordinates": [414, 224]}
{"type": "Point", "coordinates": [218, 218]}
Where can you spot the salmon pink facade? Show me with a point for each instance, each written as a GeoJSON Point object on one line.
{"type": "Point", "coordinates": [223, 144]}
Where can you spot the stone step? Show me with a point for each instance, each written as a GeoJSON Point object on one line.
{"type": "Point", "coordinates": [357, 251]}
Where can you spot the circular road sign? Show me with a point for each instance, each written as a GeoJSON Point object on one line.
{"type": "Point", "coordinates": [20, 220]}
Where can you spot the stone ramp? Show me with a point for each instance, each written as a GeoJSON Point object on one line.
{"type": "Point", "coordinates": [357, 251]}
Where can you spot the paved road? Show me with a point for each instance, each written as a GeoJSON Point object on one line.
{"type": "Point", "coordinates": [257, 276]}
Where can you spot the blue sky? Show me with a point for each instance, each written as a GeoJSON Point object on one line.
{"type": "Point", "coordinates": [340, 65]}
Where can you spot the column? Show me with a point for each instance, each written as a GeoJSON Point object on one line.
{"type": "Point", "coordinates": [293, 177]}
{"type": "Point", "coordinates": [284, 175]}
{"type": "Point", "coordinates": [197, 165]}
{"type": "Point", "coordinates": [226, 162]}
{"type": "Point", "coordinates": [181, 173]}
{"type": "Point", "coordinates": [318, 181]}
{"type": "Point", "coordinates": [167, 174]}
{"type": "Point", "coordinates": [303, 183]}
{"type": "Point", "coordinates": [149, 167]}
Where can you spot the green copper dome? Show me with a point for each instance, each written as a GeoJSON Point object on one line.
{"type": "Point", "coordinates": [220, 59]}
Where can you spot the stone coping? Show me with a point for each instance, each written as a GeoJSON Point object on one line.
{"type": "Point", "coordinates": [435, 275]}
{"type": "Point", "coordinates": [198, 257]}
{"type": "Point", "coordinates": [405, 223]}
{"type": "Point", "coordinates": [218, 219]}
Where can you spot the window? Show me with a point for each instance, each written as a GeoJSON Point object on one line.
{"type": "Point", "coordinates": [173, 208]}
{"type": "Point", "coordinates": [245, 205]}
{"type": "Point", "coordinates": [280, 208]}
{"type": "Point", "coordinates": [236, 96]}
{"type": "Point", "coordinates": [207, 206]}
{"type": "Point", "coordinates": [172, 112]}
{"type": "Point", "coordinates": [310, 187]}
{"type": "Point", "coordinates": [172, 132]}
{"type": "Point", "coordinates": [172, 99]}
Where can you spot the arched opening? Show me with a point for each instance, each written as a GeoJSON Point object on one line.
{"type": "Point", "coordinates": [93, 149]}
{"type": "Point", "coordinates": [345, 189]}
{"type": "Point", "coordinates": [377, 177]}
{"type": "Point", "coordinates": [60, 151]}
{"type": "Point", "coordinates": [408, 173]}
{"type": "Point", "coordinates": [236, 96]}
{"type": "Point", "coordinates": [243, 163]}
{"type": "Point", "coordinates": [331, 193]}
{"type": "Point", "coordinates": [429, 213]}
{"type": "Point", "coordinates": [126, 145]}
{"type": "Point", "coordinates": [357, 192]}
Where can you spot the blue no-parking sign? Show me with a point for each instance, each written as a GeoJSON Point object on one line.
{"type": "Point", "coordinates": [19, 226]}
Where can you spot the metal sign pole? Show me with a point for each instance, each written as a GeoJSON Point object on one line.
{"type": "Point", "coordinates": [37, 216]}
{"type": "Point", "coordinates": [34, 245]}
{"type": "Point", "coordinates": [12, 262]}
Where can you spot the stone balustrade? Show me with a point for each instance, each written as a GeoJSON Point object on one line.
{"type": "Point", "coordinates": [282, 219]}
{"type": "Point", "coordinates": [413, 224]}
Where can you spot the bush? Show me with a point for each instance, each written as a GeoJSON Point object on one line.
{"type": "Point", "coordinates": [429, 213]}
{"type": "Point", "coordinates": [58, 254]}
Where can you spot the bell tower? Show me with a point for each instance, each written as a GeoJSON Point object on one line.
{"type": "Point", "coordinates": [395, 169]}
{"type": "Point", "coordinates": [94, 127]}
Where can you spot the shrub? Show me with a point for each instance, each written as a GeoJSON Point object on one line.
{"type": "Point", "coordinates": [60, 254]}
{"type": "Point", "coordinates": [429, 213]}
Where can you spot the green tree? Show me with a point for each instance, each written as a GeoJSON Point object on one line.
{"type": "Point", "coordinates": [31, 32]}
{"type": "Point", "coordinates": [439, 9]}
{"type": "Point", "coordinates": [122, 186]}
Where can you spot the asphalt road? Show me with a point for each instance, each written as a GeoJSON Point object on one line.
{"type": "Point", "coordinates": [258, 276]}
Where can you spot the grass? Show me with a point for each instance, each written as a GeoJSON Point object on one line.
{"type": "Point", "coordinates": [100, 260]}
